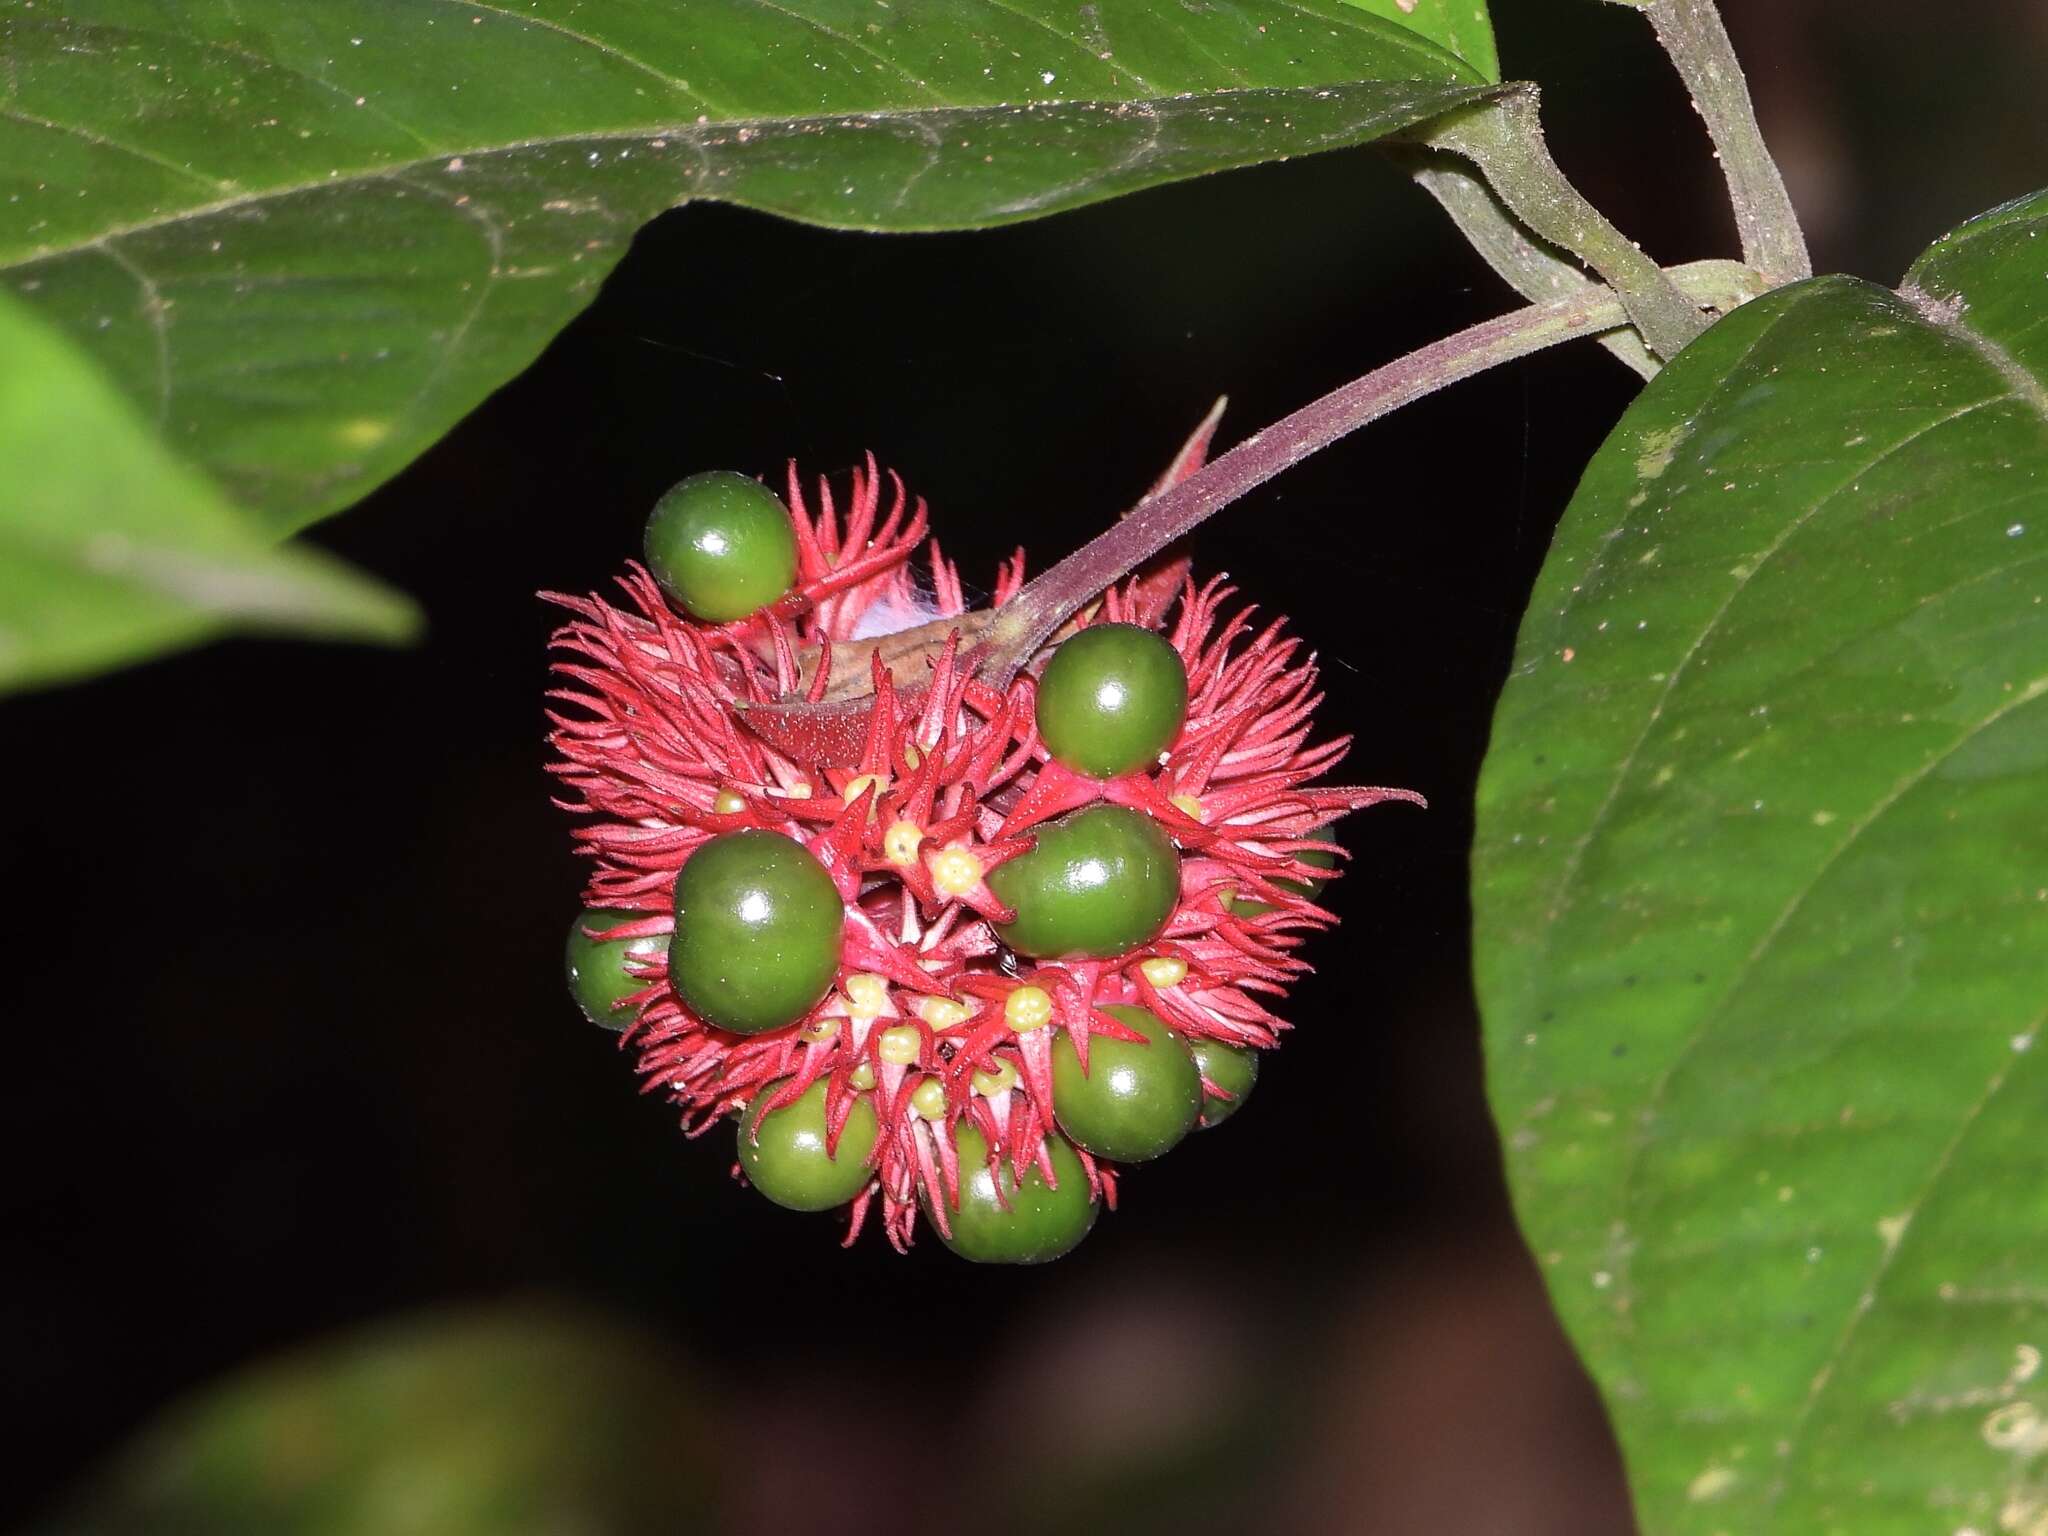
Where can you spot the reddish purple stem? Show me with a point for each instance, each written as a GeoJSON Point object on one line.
{"type": "Point", "coordinates": [1029, 619]}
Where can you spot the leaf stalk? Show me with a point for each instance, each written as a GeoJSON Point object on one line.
{"type": "Point", "coordinates": [1504, 139]}
{"type": "Point", "coordinates": [1691, 32]}
{"type": "Point", "coordinates": [1030, 618]}
{"type": "Point", "coordinates": [1538, 272]}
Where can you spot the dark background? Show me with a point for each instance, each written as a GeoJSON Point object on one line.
{"type": "Point", "coordinates": [290, 1051]}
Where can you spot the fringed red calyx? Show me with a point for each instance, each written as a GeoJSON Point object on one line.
{"type": "Point", "coordinates": [913, 779]}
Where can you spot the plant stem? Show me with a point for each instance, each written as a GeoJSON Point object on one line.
{"type": "Point", "coordinates": [1772, 242]}
{"type": "Point", "coordinates": [1024, 623]}
{"type": "Point", "coordinates": [1504, 138]}
{"type": "Point", "coordinates": [1534, 270]}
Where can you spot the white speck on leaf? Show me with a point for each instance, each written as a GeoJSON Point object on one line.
{"type": "Point", "coordinates": [1710, 1485]}
{"type": "Point", "coordinates": [1659, 449]}
{"type": "Point", "coordinates": [2016, 1427]}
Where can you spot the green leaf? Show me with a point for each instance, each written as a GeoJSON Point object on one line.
{"type": "Point", "coordinates": [112, 550]}
{"type": "Point", "coordinates": [1462, 27]}
{"type": "Point", "coordinates": [310, 237]}
{"type": "Point", "coordinates": [1761, 895]}
{"type": "Point", "coordinates": [503, 1421]}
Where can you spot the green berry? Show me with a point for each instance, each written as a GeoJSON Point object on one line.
{"type": "Point", "coordinates": [1100, 882]}
{"type": "Point", "coordinates": [598, 978]}
{"type": "Point", "coordinates": [784, 1152]}
{"type": "Point", "coordinates": [1111, 699]}
{"type": "Point", "coordinates": [1233, 1068]}
{"type": "Point", "coordinates": [722, 546]}
{"type": "Point", "coordinates": [1032, 1223]}
{"type": "Point", "coordinates": [1321, 858]}
{"type": "Point", "coordinates": [1135, 1101]}
{"type": "Point", "coordinates": [758, 926]}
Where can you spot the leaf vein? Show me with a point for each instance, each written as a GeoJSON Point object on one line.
{"type": "Point", "coordinates": [453, 342]}
{"type": "Point", "coordinates": [1576, 855]}
{"type": "Point", "coordinates": [1887, 1256]}
{"type": "Point", "coordinates": [2024, 385]}
{"type": "Point", "coordinates": [850, 42]}
{"type": "Point", "coordinates": [267, 61]}
{"type": "Point", "coordinates": [1078, 44]}
{"type": "Point", "coordinates": [1716, 1010]}
{"type": "Point", "coordinates": [1891, 797]}
{"type": "Point", "coordinates": [102, 141]}
{"type": "Point", "coordinates": [153, 309]}
{"type": "Point", "coordinates": [597, 45]}
{"type": "Point", "coordinates": [1375, 26]}
{"type": "Point", "coordinates": [923, 117]}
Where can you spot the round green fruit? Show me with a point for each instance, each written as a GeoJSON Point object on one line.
{"type": "Point", "coordinates": [1321, 858]}
{"type": "Point", "coordinates": [1135, 1101]}
{"type": "Point", "coordinates": [1111, 699]}
{"type": "Point", "coordinates": [722, 546]}
{"type": "Point", "coordinates": [784, 1152]}
{"type": "Point", "coordinates": [1040, 1222]}
{"type": "Point", "coordinates": [1100, 882]}
{"type": "Point", "coordinates": [1232, 1068]}
{"type": "Point", "coordinates": [758, 928]}
{"type": "Point", "coordinates": [596, 968]}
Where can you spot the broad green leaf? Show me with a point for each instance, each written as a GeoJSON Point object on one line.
{"type": "Point", "coordinates": [1761, 895]}
{"type": "Point", "coordinates": [1462, 26]}
{"type": "Point", "coordinates": [111, 549]}
{"type": "Point", "coordinates": [310, 237]}
{"type": "Point", "coordinates": [505, 1421]}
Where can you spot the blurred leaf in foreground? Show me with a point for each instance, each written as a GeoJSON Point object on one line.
{"type": "Point", "coordinates": [112, 550]}
{"type": "Point", "coordinates": [505, 1421]}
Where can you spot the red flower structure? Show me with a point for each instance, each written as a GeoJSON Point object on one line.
{"type": "Point", "coordinates": [951, 1037]}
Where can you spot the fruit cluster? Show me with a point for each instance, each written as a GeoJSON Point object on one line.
{"type": "Point", "coordinates": [971, 956]}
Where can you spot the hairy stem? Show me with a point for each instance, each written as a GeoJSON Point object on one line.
{"type": "Point", "coordinates": [1024, 623]}
{"type": "Point", "coordinates": [1534, 270]}
{"type": "Point", "coordinates": [1504, 138]}
{"type": "Point", "coordinates": [1772, 242]}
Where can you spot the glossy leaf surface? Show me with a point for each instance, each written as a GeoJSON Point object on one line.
{"type": "Point", "coordinates": [309, 238]}
{"type": "Point", "coordinates": [1462, 27]}
{"type": "Point", "coordinates": [1761, 892]}
{"type": "Point", "coordinates": [111, 549]}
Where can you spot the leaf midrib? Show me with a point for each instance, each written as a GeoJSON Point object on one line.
{"type": "Point", "coordinates": [1934, 313]}
{"type": "Point", "coordinates": [2017, 382]}
{"type": "Point", "coordinates": [2015, 376]}
{"type": "Point", "coordinates": [1560, 901]}
{"type": "Point", "coordinates": [1714, 1012]}
{"type": "Point", "coordinates": [694, 135]}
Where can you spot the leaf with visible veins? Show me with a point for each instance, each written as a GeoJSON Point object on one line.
{"type": "Point", "coordinates": [1760, 888]}
{"type": "Point", "coordinates": [308, 238]}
